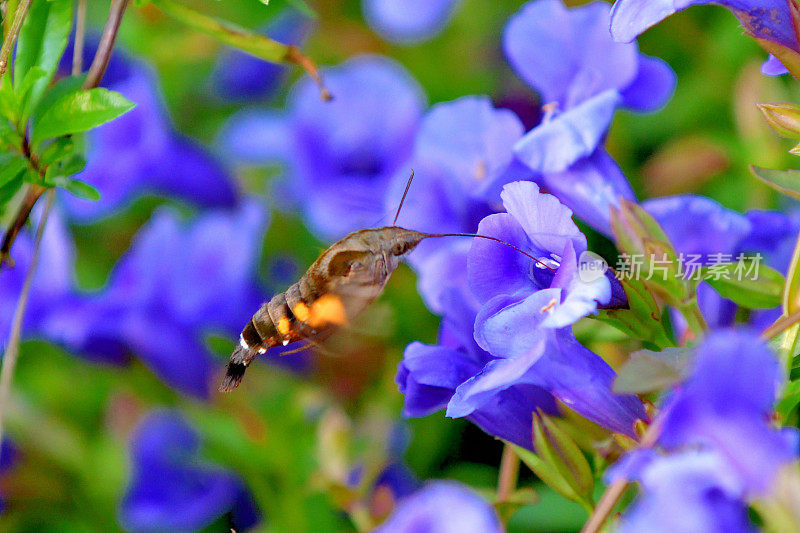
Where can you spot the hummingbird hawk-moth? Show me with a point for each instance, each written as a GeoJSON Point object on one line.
{"type": "Point", "coordinates": [339, 285]}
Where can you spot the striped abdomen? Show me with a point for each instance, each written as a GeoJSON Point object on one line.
{"type": "Point", "coordinates": [282, 320]}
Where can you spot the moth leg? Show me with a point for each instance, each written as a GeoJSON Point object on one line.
{"type": "Point", "coordinates": [315, 343]}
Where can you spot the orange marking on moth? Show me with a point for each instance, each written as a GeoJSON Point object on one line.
{"type": "Point", "coordinates": [301, 312]}
{"type": "Point", "coordinates": [283, 326]}
{"type": "Point", "coordinates": [326, 310]}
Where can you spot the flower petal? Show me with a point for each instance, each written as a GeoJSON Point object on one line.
{"type": "Point", "coordinates": [590, 188]}
{"type": "Point", "coordinates": [555, 145]}
{"type": "Point", "coordinates": [653, 87]}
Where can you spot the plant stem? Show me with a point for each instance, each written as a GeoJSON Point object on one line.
{"type": "Point", "coordinates": [80, 32]}
{"type": "Point", "coordinates": [780, 325]}
{"type": "Point", "coordinates": [12, 351]}
{"type": "Point", "coordinates": [10, 40]}
{"type": "Point", "coordinates": [103, 54]}
{"type": "Point", "coordinates": [613, 493]}
{"type": "Point", "coordinates": [509, 472]}
{"type": "Point", "coordinates": [694, 319]}
{"type": "Point", "coordinates": [243, 39]}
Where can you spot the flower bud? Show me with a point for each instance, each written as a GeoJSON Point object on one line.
{"type": "Point", "coordinates": [784, 118]}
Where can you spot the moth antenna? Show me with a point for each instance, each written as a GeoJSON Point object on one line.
{"type": "Point", "coordinates": [495, 239]}
{"type": "Point", "coordinates": [403, 199]}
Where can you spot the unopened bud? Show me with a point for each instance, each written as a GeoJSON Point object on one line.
{"type": "Point", "coordinates": [783, 118]}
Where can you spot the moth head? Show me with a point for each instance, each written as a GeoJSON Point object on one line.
{"type": "Point", "coordinates": [397, 242]}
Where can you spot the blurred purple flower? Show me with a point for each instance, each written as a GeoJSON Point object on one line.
{"type": "Point", "coordinates": [582, 75]}
{"type": "Point", "coordinates": [440, 507]}
{"type": "Point", "coordinates": [9, 456]}
{"type": "Point", "coordinates": [240, 77]}
{"type": "Point", "coordinates": [721, 449]}
{"type": "Point", "coordinates": [172, 488]}
{"type": "Point", "coordinates": [408, 21]}
{"type": "Point", "coordinates": [692, 492]}
{"type": "Point", "coordinates": [52, 292]}
{"type": "Point", "coordinates": [770, 20]}
{"type": "Point", "coordinates": [725, 235]}
{"type": "Point", "coordinates": [178, 282]}
{"type": "Point", "coordinates": [699, 226]}
{"type": "Point", "coordinates": [430, 375]}
{"type": "Point", "coordinates": [142, 153]}
{"type": "Point", "coordinates": [342, 154]}
{"type": "Point", "coordinates": [725, 406]}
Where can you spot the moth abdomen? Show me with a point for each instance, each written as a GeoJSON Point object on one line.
{"type": "Point", "coordinates": [235, 370]}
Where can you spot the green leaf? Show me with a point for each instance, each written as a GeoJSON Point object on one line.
{"type": "Point", "coordinates": [26, 96]}
{"type": "Point", "coordinates": [9, 103]}
{"type": "Point", "coordinates": [80, 111]}
{"type": "Point", "coordinates": [227, 32]}
{"type": "Point", "coordinates": [62, 148]}
{"type": "Point", "coordinates": [747, 283]}
{"type": "Point", "coordinates": [42, 42]}
{"type": "Point", "coordinates": [564, 454]}
{"type": "Point", "coordinates": [73, 165]}
{"type": "Point", "coordinates": [789, 400]}
{"type": "Point", "coordinates": [10, 166]}
{"type": "Point", "coordinates": [11, 188]}
{"type": "Point", "coordinates": [81, 189]}
{"type": "Point", "coordinates": [647, 371]}
{"type": "Point", "coordinates": [302, 6]}
{"type": "Point", "coordinates": [547, 473]}
{"type": "Point", "coordinates": [642, 319]}
{"type": "Point", "coordinates": [784, 181]}
{"type": "Point", "coordinates": [59, 90]}
{"type": "Point", "coordinates": [791, 292]}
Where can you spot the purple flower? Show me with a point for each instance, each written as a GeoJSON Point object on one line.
{"type": "Point", "coordinates": [691, 491]}
{"type": "Point", "coordinates": [409, 21]}
{"type": "Point", "coordinates": [342, 154]}
{"type": "Point", "coordinates": [541, 226]}
{"type": "Point", "coordinates": [767, 20]}
{"type": "Point", "coordinates": [443, 506]}
{"type": "Point", "coordinates": [523, 359]}
{"type": "Point", "coordinates": [172, 488]}
{"type": "Point", "coordinates": [430, 376]}
{"type": "Point", "coordinates": [725, 406]}
{"type": "Point", "coordinates": [582, 75]}
{"type": "Point", "coordinates": [241, 77]}
{"type": "Point", "coordinates": [178, 282]}
{"type": "Point", "coordinates": [142, 153]}
{"type": "Point", "coordinates": [529, 353]}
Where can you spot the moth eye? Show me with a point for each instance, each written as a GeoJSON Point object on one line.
{"type": "Point", "coordinates": [399, 248]}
